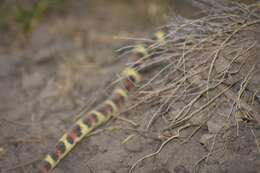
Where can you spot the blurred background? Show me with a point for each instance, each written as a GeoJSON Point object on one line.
{"type": "Point", "coordinates": [25, 15]}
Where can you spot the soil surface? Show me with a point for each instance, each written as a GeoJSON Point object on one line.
{"type": "Point", "coordinates": [65, 66]}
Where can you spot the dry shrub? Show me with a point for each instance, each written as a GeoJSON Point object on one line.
{"type": "Point", "coordinates": [209, 71]}
{"type": "Point", "coordinates": [207, 63]}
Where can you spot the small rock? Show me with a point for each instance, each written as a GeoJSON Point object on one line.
{"type": "Point", "coordinates": [214, 126]}
{"type": "Point", "coordinates": [134, 145]}
{"type": "Point", "coordinates": [206, 140]}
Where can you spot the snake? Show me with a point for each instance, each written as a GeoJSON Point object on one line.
{"type": "Point", "coordinates": [130, 79]}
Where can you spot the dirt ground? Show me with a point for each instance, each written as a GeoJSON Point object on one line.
{"type": "Point", "coordinates": [65, 66]}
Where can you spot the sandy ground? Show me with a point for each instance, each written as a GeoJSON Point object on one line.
{"type": "Point", "coordinates": [63, 67]}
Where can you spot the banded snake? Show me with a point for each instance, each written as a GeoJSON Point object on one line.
{"type": "Point", "coordinates": [99, 116]}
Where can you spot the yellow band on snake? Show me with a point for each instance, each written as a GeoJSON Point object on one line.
{"type": "Point", "coordinates": [84, 128]}
{"type": "Point", "coordinates": [64, 140]}
{"type": "Point", "coordinates": [160, 36]}
{"type": "Point", "coordinates": [50, 160]}
{"type": "Point", "coordinates": [113, 105]}
{"type": "Point", "coordinates": [141, 49]}
{"type": "Point", "coordinates": [132, 72]}
{"type": "Point", "coordinates": [121, 92]}
{"type": "Point", "coordinates": [100, 116]}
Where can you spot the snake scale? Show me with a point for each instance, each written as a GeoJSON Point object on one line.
{"type": "Point", "coordinates": [131, 77]}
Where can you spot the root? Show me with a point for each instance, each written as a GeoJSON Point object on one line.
{"type": "Point", "coordinates": [159, 149]}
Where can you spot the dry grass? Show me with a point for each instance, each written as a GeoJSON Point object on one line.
{"type": "Point", "coordinates": [206, 63]}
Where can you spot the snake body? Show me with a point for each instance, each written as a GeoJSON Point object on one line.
{"type": "Point", "coordinates": [131, 77]}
